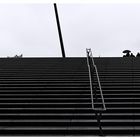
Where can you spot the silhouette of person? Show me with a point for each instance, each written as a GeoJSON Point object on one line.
{"type": "Point", "coordinates": [16, 56]}
{"type": "Point", "coordinates": [132, 55]}
{"type": "Point", "coordinates": [21, 56]}
{"type": "Point", "coordinates": [127, 54]}
{"type": "Point", "coordinates": [138, 54]}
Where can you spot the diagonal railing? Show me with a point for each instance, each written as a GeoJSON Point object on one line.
{"type": "Point", "coordinates": [98, 104]}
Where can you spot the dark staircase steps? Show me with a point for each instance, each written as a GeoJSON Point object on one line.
{"type": "Point", "coordinates": [51, 96]}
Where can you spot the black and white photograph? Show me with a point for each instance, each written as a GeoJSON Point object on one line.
{"type": "Point", "coordinates": [70, 69]}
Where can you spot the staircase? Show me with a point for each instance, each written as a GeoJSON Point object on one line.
{"type": "Point", "coordinates": [51, 97]}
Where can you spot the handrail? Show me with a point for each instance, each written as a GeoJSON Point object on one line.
{"type": "Point", "coordinates": [92, 67]}
{"type": "Point", "coordinates": [89, 55]}
{"type": "Point", "coordinates": [91, 88]}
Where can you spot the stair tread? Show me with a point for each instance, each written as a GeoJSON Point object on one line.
{"type": "Point", "coordinates": [55, 92]}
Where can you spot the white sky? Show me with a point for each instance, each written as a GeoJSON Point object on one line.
{"type": "Point", "coordinates": [30, 29]}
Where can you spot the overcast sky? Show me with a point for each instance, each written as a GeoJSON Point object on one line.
{"type": "Point", "coordinates": [30, 29]}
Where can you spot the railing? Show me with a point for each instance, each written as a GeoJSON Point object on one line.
{"type": "Point", "coordinates": [97, 105]}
